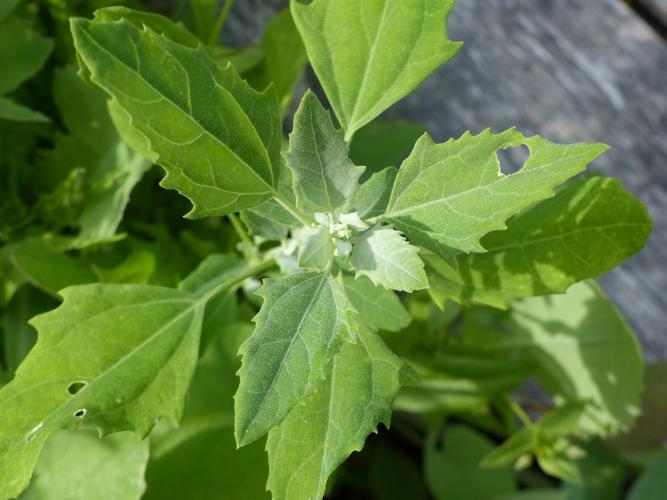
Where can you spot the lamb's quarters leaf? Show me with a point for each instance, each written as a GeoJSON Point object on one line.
{"type": "Point", "coordinates": [284, 59]}
{"type": "Point", "coordinates": [199, 16]}
{"type": "Point", "coordinates": [216, 137]}
{"type": "Point", "coordinates": [200, 459]}
{"type": "Point", "coordinates": [383, 143]}
{"type": "Point", "coordinates": [110, 358]}
{"type": "Point", "coordinates": [113, 179]}
{"type": "Point", "coordinates": [112, 168]}
{"type": "Point", "coordinates": [242, 59]}
{"type": "Point", "coordinates": [137, 268]}
{"type": "Point", "coordinates": [652, 483]}
{"type": "Point", "coordinates": [324, 176]}
{"type": "Point", "coordinates": [447, 196]}
{"type": "Point", "coordinates": [453, 472]}
{"type": "Point", "coordinates": [83, 110]}
{"type": "Point", "coordinates": [372, 197]}
{"type": "Point", "coordinates": [222, 309]}
{"type": "Point", "coordinates": [585, 352]}
{"type": "Point", "coordinates": [13, 111]}
{"type": "Point", "coordinates": [6, 7]}
{"type": "Point", "coordinates": [303, 320]}
{"type": "Point", "coordinates": [18, 337]}
{"type": "Point", "coordinates": [335, 418]}
{"type": "Point", "coordinates": [159, 24]}
{"type": "Point", "coordinates": [212, 272]}
{"type": "Point", "coordinates": [379, 308]}
{"type": "Point", "coordinates": [587, 229]}
{"type": "Point", "coordinates": [47, 267]}
{"type": "Point", "coordinates": [269, 221]}
{"type": "Point", "coordinates": [382, 254]}
{"type": "Point", "coordinates": [79, 465]}
{"type": "Point", "coordinates": [317, 250]}
{"type": "Point", "coordinates": [370, 54]}
{"type": "Point", "coordinates": [22, 52]}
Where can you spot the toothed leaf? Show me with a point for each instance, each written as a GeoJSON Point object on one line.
{"type": "Point", "coordinates": [334, 420]}
{"type": "Point", "coordinates": [370, 54]}
{"type": "Point", "coordinates": [300, 326]}
{"type": "Point", "coordinates": [111, 358]}
{"type": "Point", "coordinates": [447, 196]}
{"type": "Point", "coordinates": [382, 254]}
{"type": "Point", "coordinates": [324, 176]}
{"type": "Point", "coordinates": [216, 137]}
{"type": "Point", "coordinates": [584, 231]}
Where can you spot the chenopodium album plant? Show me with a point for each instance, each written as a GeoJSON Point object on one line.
{"type": "Point", "coordinates": [334, 242]}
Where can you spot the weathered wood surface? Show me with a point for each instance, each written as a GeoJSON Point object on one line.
{"type": "Point", "coordinates": [570, 71]}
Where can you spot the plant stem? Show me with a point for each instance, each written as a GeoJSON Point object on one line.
{"type": "Point", "coordinates": [239, 278]}
{"type": "Point", "coordinates": [287, 205]}
{"type": "Point", "coordinates": [220, 22]}
{"type": "Point", "coordinates": [519, 412]}
{"type": "Point", "coordinates": [240, 229]}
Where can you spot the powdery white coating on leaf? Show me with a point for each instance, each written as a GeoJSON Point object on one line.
{"type": "Point", "coordinates": [324, 176]}
{"type": "Point", "coordinates": [334, 420]}
{"type": "Point", "coordinates": [382, 254]}
{"type": "Point", "coordinates": [303, 320]}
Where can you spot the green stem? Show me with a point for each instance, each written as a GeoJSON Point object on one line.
{"type": "Point", "coordinates": [240, 229]}
{"type": "Point", "coordinates": [520, 413]}
{"type": "Point", "coordinates": [239, 278]}
{"type": "Point", "coordinates": [220, 22]}
{"type": "Point", "coordinates": [287, 205]}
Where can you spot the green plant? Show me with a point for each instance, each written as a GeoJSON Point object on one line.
{"type": "Point", "coordinates": [158, 311]}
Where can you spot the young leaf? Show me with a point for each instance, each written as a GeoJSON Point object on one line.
{"type": "Point", "coordinates": [584, 351]}
{"type": "Point", "coordinates": [22, 52]}
{"type": "Point", "coordinates": [370, 54]}
{"type": "Point", "coordinates": [13, 111]}
{"type": "Point", "coordinates": [111, 358]}
{"type": "Point", "coordinates": [221, 165]}
{"type": "Point", "coordinates": [453, 473]}
{"type": "Point", "coordinates": [300, 326]}
{"type": "Point", "coordinates": [587, 229]}
{"type": "Point", "coordinates": [324, 176]}
{"type": "Point", "coordinates": [47, 267]}
{"type": "Point", "coordinates": [317, 250]}
{"type": "Point", "coordinates": [79, 465]}
{"type": "Point", "coordinates": [379, 308]}
{"type": "Point", "coordinates": [382, 254]}
{"type": "Point", "coordinates": [372, 197]}
{"type": "Point", "coordinates": [334, 420]}
{"type": "Point", "coordinates": [447, 196]}
{"type": "Point", "coordinates": [284, 59]}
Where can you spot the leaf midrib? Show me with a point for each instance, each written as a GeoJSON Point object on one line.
{"type": "Point", "coordinates": [271, 188]}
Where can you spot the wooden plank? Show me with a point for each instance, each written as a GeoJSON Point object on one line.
{"type": "Point", "coordinates": [570, 71]}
